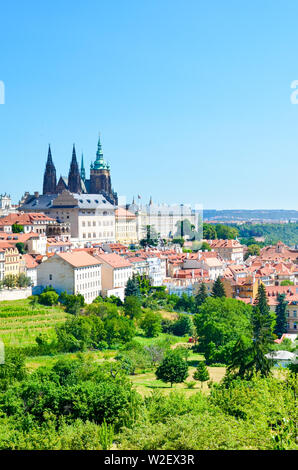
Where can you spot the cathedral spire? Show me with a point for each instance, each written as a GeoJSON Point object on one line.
{"type": "Point", "coordinates": [49, 179]}
{"type": "Point", "coordinates": [83, 172]}
{"type": "Point", "coordinates": [50, 160]}
{"type": "Point", "coordinates": [74, 177]}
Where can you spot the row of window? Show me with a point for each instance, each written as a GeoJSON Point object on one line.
{"type": "Point", "coordinates": [100, 235]}
{"type": "Point", "coordinates": [87, 275]}
{"type": "Point", "coordinates": [105, 223]}
{"type": "Point", "coordinates": [88, 285]}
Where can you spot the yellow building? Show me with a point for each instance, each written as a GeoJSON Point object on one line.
{"type": "Point", "coordinates": [126, 227]}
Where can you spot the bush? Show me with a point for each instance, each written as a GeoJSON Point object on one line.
{"type": "Point", "coordinates": [49, 298]}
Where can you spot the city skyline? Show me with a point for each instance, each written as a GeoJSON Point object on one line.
{"type": "Point", "coordinates": [192, 107]}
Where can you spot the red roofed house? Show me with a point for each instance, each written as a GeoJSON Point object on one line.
{"type": "Point", "coordinates": [30, 268]}
{"type": "Point", "coordinates": [291, 293]}
{"type": "Point", "coordinates": [31, 222]}
{"type": "Point", "coordinates": [74, 272]}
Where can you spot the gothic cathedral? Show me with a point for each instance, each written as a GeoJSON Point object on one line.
{"type": "Point", "coordinates": [76, 182]}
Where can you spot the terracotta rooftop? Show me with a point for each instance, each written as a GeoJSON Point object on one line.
{"type": "Point", "coordinates": [114, 260]}
{"type": "Point", "coordinates": [79, 259]}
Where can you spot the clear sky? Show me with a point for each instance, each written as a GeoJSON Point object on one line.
{"type": "Point", "coordinates": [192, 98]}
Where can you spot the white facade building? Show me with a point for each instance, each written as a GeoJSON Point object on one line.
{"type": "Point", "coordinates": [73, 272]}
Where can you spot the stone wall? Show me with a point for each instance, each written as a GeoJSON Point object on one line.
{"type": "Point", "coordinates": [15, 294]}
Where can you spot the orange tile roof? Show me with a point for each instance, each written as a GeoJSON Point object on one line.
{"type": "Point", "coordinates": [29, 261]}
{"type": "Point", "coordinates": [79, 259]}
{"type": "Point", "coordinates": [113, 260]}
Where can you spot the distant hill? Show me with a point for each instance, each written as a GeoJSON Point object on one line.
{"type": "Point", "coordinates": [258, 215]}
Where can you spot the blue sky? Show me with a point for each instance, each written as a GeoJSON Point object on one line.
{"type": "Point", "coordinates": [192, 98]}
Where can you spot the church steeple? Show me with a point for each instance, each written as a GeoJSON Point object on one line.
{"type": "Point", "coordinates": [74, 178]}
{"type": "Point", "coordinates": [99, 163]}
{"type": "Point", "coordinates": [49, 179]}
{"type": "Point", "coordinates": [83, 172]}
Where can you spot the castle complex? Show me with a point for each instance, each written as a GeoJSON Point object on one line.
{"type": "Point", "coordinates": [76, 182]}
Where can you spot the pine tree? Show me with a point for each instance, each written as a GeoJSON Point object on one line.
{"type": "Point", "coordinates": [248, 357]}
{"type": "Point", "coordinates": [201, 373]}
{"type": "Point", "coordinates": [281, 316]}
{"type": "Point", "coordinates": [218, 289]}
{"type": "Point", "coordinates": [201, 295]}
{"type": "Point", "coordinates": [132, 287]}
{"type": "Point", "coordinates": [262, 325]}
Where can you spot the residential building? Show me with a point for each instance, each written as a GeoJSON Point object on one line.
{"type": "Point", "coordinates": [75, 272]}
{"type": "Point", "coordinates": [116, 271]}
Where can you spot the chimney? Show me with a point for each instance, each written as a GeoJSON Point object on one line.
{"type": "Point", "coordinates": [36, 194]}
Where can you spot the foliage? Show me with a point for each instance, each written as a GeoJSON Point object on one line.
{"type": "Point", "coordinates": [151, 324]}
{"type": "Point", "coordinates": [201, 295]}
{"type": "Point", "coordinates": [21, 247]}
{"type": "Point", "coordinates": [132, 287]}
{"type": "Point", "coordinates": [132, 306]}
{"type": "Point", "coordinates": [16, 228]}
{"type": "Point", "coordinates": [281, 315]}
{"type": "Point", "coordinates": [219, 324]}
{"type": "Point", "coordinates": [201, 373]}
{"type": "Point", "coordinates": [183, 326]}
{"type": "Point", "coordinates": [252, 250]}
{"type": "Point", "coordinates": [218, 289]}
{"type": "Point", "coordinates": [173, 369]}
{"type": "Point", "coordinates": [49, 298]}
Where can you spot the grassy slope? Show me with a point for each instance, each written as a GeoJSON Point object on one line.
{"type": "Point", "coordinates": [20, 324]}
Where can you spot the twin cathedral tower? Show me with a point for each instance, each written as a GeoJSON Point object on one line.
{"type": "Point", "coordinates": [76, 182]}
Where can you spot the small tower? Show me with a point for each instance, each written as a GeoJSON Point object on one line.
{"type": "Point", "coordinates": [74, 177]}
{"type": "Point", "coordinates": [49, 179]}
{"type": "Point", "coordinates": [100, 177]}
{"type": "Point", "coordinates": [83, 172]}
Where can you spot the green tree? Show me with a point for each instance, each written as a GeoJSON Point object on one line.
{"type": "Point", "coordinates": [205, 246]}
{"type": "Point", "coordinates": [209, 232]}
{"type": "Point", "coordinates": [201, 373]}
{"type": "Point", "coordinates": [151, 324]}
{"type": "Point", "coordinates": [173, 369]}
{"type": "Point", "coordinates": [225, 232]}
{"type": "Point", "coordinates": [219, 323]}
{"type": "Point", "coordinates": [10, 281]}
{"type": "Point", "coordinates": [183, 326]}
{"type": "Point", "coordinates": [201, 295]}
{"type": "Point", "coordinates": [252, 250]}
{"type": "Point", "coordinates": [23, 281]}
{"type": "Point", "coordinates": [281, 315]}
{"type": "Point", "coordinates": [218, 289]}
{"type": "Point", "coordinates": [21, 247]}
{"type": "Point", "coordinates": [132, 307]}
{"type": "Point", "coordinates": [132, 287]}
{"type": "Point", "coordinates": [17, 228]}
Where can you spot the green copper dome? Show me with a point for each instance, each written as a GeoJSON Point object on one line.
{"type": "Point", "coordinates": [99, 163]}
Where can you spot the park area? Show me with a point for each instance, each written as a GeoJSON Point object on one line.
{"type": "Point", "coordinates": [21, 324]}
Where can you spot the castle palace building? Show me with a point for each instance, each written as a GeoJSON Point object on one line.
{"type": "Point", "coordinates": [76, 182]}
